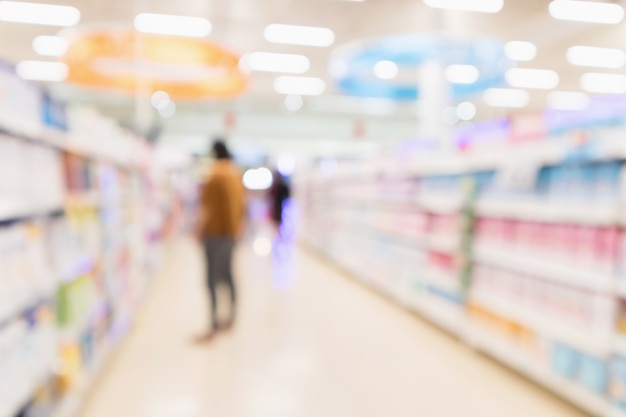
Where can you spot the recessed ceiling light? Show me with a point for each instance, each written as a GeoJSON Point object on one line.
{"type": "Point", "coordinates": [42, 71]}
{"type": "Point", "coordinates": [163, 24]}
{"type": "Point", "coordinates": [506, 97]}
{"type": "Point", "coordinates": [462, 74]}
{"type": "Point", "coordinates": [168, 111]}
{"type": "Point", "coordinates": [520, 50]}
{"type": "Point", "coordinates": [587, 56]}
{"type": "Point", "coordinates": [532, 78]}
{"type": "Point", "coordinates": [305, 86]}
{"type": "Point", "coordinates": [386, 70]}
{"type": "Point", "coordinates": [485, 6]}
{"type": "Point", "coordinates": [160, 100]}
{"type": "Point", "coordinates": [568, 100]}
{"type": "Point", "coordinates": [39, 14]}
{"type": "Point", "coordinates": [273, 62]}
{"type": "Point", "coordinates": [603, 83]}
{"type": "Point", "coordinates": [587, 11]}
{"type": "Point", "coordinates": [466, 111]}
{"type": "Point", "coordinates": [299, 35]}
{"type": "Point", "coordinates": [50, 45]}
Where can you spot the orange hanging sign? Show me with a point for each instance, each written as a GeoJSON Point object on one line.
{"type": "Point", "coordinates": [185, 68]}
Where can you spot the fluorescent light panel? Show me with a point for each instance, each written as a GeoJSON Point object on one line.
{"type": "Point", "coordinates": [273, 62]}
{"type": "Point", "coordinates": [305, 86]}
{"type": "Point", "coordinates": [506, 97]}
{"type": "Point", "coordinates": [568, 100]}
{"type": "Point", "coordinates": [532, 78]}
{"type": "Point", "coordinates": [42, 71]}
{"type": "Point", "coordinates": [162, 24]}
{"type": "Point", "coordinates": [39, 14]}
{"type": "Point", "coordinates": [299, 35]}
{"type": "Point", "coordinates": [603, 83]}
{"type": "Point", "coordinates": [520, 50]}
{"type": "Point", "coordinates": [386, 70]}
{"type": "Point", "coordinates": [50, 45]}
{"type": "Point", "coordinates": [587, 56]}
{"type": "Point", "coordinates": [462, 74]}
{"type": "Point", "coordinates": [587, 11]}
{"type": "Point", "coordinates": [484, 6]}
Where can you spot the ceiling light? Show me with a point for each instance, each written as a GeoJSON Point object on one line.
{"type": "Point", "coordinates": [506, 97]}
{"type": "Point", "coordinates": [163, 24]}
{"type": "Point", "coordinates": [299, 35]}
{"type": "Point", "coordinates": [39, 14]}
{"type": "Point", "coordinates": [50, 45]}
{"type": "Point", "coordinates": [462, 74]}
{"type": "Point", "coordinates": [587, 11]}
{"type": "Point", "coordinates": [587, 56]}
{"type": "Point", "coordinates": [271, 62]}
{"type": "Point", "coordinates": [160, 100]}
{"type": "Point", "coordinates": [386, 70]}
{"type": "Point", "coordinates": [168, 111]}
{"type": "Point", "coordinates": [42, 71]}
{"type": "Point", "coordinates": [520, 51]}
{"type": "Point", "coordinates": [293, 102]}
{"type": "Point", "coordinates": [306, 86]}
{"type": "Point", "coordinates": [485, 6]}
{"type": "Point", "coordinates": [466, 111]}
{"type": "Point", "coordinates": [603, 83]}
{"type": "Point", "coordinates": [532, 78]}
{"type": "Point", "coordinates": [258, 179]}
{"type": "Point", "coordinates": [568, 100]}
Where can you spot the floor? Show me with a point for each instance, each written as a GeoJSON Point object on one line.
{"type": "Point", "coordinates": [309, 342]}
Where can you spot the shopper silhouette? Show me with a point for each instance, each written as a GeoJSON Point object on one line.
{"type": "Point", "coordinates": [219, 224]}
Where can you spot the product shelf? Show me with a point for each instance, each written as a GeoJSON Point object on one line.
{"type": "Point", "coordinates": [550, 212]}
{"type": "Point", "coordinates": [450, 322]}
{"type": "Point", "coordinates": [537, 266]}
{"type": "Point", "coordinates": [22, 210]}
{"type": "Point", "coordinates": [599, 345]}
{"type": "Point", "coordinates": [508, 354]}
{"type": "Point", "coordinates": [441, 204]}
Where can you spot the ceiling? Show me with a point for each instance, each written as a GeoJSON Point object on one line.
{"type": "Point", "coordinates": [239, 24]}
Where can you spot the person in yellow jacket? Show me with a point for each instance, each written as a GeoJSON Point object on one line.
{"type": "Point", "coordinates": [220, 221]}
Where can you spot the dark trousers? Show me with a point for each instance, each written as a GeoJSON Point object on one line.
{"type": "Point", "coordinates": [219, 258]}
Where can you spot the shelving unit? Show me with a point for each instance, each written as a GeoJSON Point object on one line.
{"type": "Point", "coordinates": [535, 249]}
{"type": "Point", "coordinates": [82, 225]}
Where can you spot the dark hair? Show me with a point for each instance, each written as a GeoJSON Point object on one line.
{"type": "Point", "coordinates": [220, 151]}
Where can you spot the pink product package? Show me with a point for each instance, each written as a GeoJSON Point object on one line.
{"type": "Point", "coordinates": [606, 249]}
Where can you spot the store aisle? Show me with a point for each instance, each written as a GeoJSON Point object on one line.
{"type": "Point", "coordinates": [315, 345]}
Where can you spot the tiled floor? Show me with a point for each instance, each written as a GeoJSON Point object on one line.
{"type": "Point", "coordinates": [313, 344]}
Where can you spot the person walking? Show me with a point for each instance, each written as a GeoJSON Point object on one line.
{"type": "Point", "coordinates": [220, 221]}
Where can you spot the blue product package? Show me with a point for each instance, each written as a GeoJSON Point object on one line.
{"type": "Point", "coordinates": [542, 188]}
{"type": "Point", "coordinates": [565, 361]}
{"type": "Point", "coordinates": [593, 374]}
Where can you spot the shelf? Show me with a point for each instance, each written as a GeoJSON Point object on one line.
{"type": "Point", "coordinates": [549, 212]}
{"type": "Point", "coordinates": [72, 401]}
{"type": "Point", "coordinates": [441, 204]}
{"type": "Point", "coordinates": [537, 266]}
{"type": "Point", "coordinates": [23, 210]}
{"type": "Point", "coordinates": [506, 353]}
{"type": "Point", "coordinates": [445, 320]}
{"type": "Point", "coordinates": [12, 410]}
{"type": "Point", "coordinates": [589, 343]}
